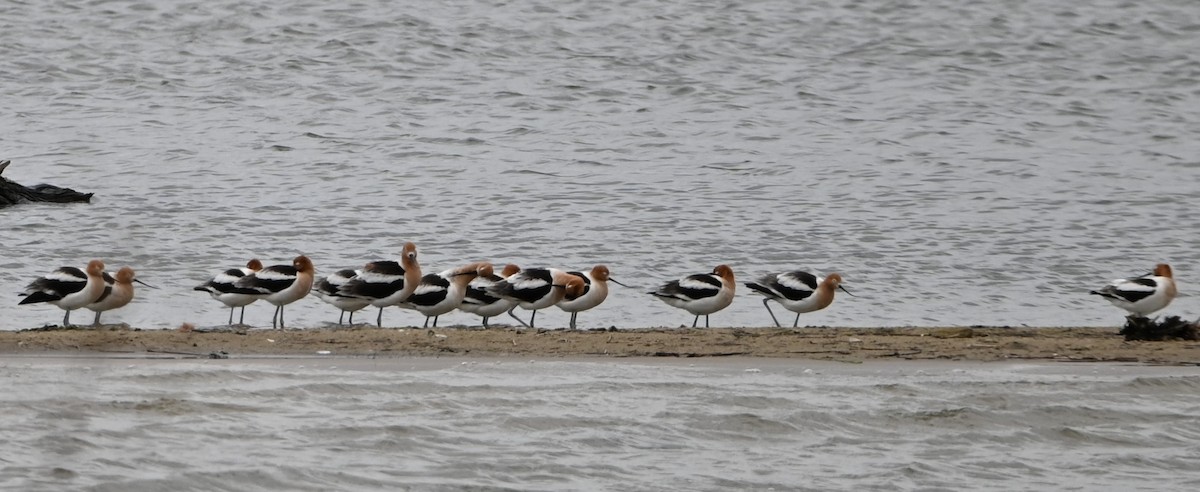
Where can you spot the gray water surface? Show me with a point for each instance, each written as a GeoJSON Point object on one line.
{"type": "Point", "coordinates": [578, 424]}
{"type": "Point", "coordinates": [958, 162]}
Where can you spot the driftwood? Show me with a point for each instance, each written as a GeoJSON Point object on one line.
{"type": "Point", "coordinates": [13, 193]}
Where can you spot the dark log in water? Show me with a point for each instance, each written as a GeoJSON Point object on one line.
{"type": "Point", "coordinates": [1171, 328]}
{"type": "Point", "coordinates": [13, 193]}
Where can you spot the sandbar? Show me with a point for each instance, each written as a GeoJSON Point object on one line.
{"type": "Point", "coordinates": [1091, 344]}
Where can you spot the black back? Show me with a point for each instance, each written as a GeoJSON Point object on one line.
{"type": "Point", "coordinates": [378, 290]}
{"type": "Point", "coordinates": [46, 289]}
{"type": "Point", "coordinates": [431, 296]}
{"type": "Point", "coordinates": [528, 295]}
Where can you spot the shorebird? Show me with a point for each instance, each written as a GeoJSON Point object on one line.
{"type": "Point", "coordinates": [797, 291]}
{"type": "Point", "coordinates": [117, 292]}
{"type": "Point", "coordinates": [1142, 295]}
{"type": "Point", "coordinates": [700, 294]}
{"type": "Point", "coordinates": [68, 288]}
{"type": "Point", "coordinates": [386, 282]}
{"type": "Point", "coordinates": [221, 287]}
{"type": "Point", "coordinates": [536, 288]}
{"type": "Point", "coordinates": [328, 288]}
{"type": "Point", "coordinates": [440, 293]}
{"type": "Point", "coordinates": [478, 301]}
{"type": "Point", "coordinates": [281, 284]}
{"type": "Point", "coordinates": [595, 290]}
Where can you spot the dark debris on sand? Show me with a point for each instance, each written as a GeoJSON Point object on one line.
{"type": "Point", "coordinates": [1171, 328]}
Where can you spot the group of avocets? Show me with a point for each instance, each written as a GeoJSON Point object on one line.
{"type": "Point", "coordinates": [71, 288]}
{"type": "Point", "coordinates": [476, 288]}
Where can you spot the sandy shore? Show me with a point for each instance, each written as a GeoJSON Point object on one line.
{"type": "Point", "coordinates": [839, 344]}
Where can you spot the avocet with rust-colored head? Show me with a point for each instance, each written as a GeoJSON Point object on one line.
{"type": "Point", "coordinates": [797, 291]}
{"type": "Point", "coordinates": [1142, 295]}
{"type": "Point", "coordinates": [386, 283]}
{"type": "Point", "coordinates": [221, 287]}
{"type": "Point", "coordinates": [440, 293]}
{"type": "Point", "coordinates": [281, 284]}
{"type": "Point", "coordinates": [68, 288]}
{"type": "Point", "coordinates": [536, 288]}
{"type": "Point", "coordinates": [329, 287]}
{"type": "Point", "coordinates": [595, 291]}
{"type": "Point", "coordinates": [478, 301]}
{"type": "Point", "coordinates": [118, 291]}
{"type": "Point", "coordinates": [700, 294]}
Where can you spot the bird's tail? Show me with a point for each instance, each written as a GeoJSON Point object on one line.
{"type": "Point", "coordinates": [38, 296]}
{"type": "Point", "coordinates": [760, 289]}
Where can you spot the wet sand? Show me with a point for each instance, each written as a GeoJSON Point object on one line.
{"type": "Point", "coordinates": [836, 344]}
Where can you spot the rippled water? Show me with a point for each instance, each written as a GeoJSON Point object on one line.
{"type": "Point", "coordinates": [454, 424]}
{"type": "Point", "coordinates": [959, 162]}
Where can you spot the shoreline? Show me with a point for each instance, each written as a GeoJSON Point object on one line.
{"type": "Point", "coordinates": [983, 344]}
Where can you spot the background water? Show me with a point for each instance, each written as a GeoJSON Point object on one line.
{"type": "Point", "coordinates": [453, 424]}
{"type": "Point", "coordinates": [960, 162]}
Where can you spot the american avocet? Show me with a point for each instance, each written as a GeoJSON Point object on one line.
{"type": "Point", "coordinates": [440, 293]}
{"type": "Point", "coordinates": [1142, 295]}
{"type": "Point", "coordinates": [595, 290]}
{"type": "Point", "coordinates": [281, 284]}
{"type": "Point", "coordinates": [68, 288]}
{"type": "Point", "coordinates": [386, 282]}
{"type": "Point", "coordinates": [478, 301]}
{"type": "Point", "coordinates": [536, 288]}
{"type": "Point", "coordinates": [797, 291]}
{"type": "Point", "coordinates": [700, 294]}
{"type": "Point", "coordinates": [221, 287]}
{"type": "Point", "coordinates": [118, 292]}
{"type": "Point", "coordinates": [328, 289]}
